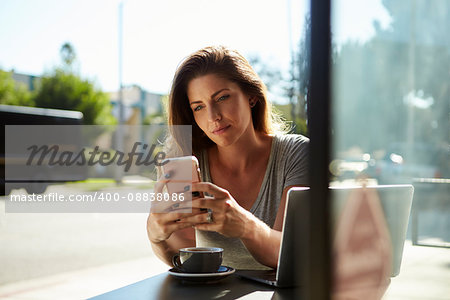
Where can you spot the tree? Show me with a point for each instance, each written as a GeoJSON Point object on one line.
{"type": "Point", "coordinates": [299, 73]}
{"type": "Point", "coordinates": [67, 53]}
{"type": "Point", "coordinates": [64, 89]}
{"type": "Point", "coordinates": [276, 83]}
{"type": "Point", "coordinates": [12, 93]}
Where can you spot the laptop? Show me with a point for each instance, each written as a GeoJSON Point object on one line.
{"type": "Point", "coordinates": [395, 200]}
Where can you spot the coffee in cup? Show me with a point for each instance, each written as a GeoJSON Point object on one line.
{"type": "Point", "coordinates": [198, 259]}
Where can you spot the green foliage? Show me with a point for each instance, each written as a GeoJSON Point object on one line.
{"type": "Point", "coordinates": [293, 113]}
{"type": "Point", "coordinates": [298, 85]}
{"type": "Point", "coordinates": [65, 90]}
{"type": "Point", "coordinates": [61, 89]}
{"type": "Point", "coordinates": [292, 86]}
{"type": "Point", "coordinates": [297, 125]}
{"type": "Point", "coordinates": [12, 93]}
{"type": "Point", "coordinates": [154, 119]}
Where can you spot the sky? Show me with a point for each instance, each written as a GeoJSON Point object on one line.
{"type": "Point", "coordinates": [157, 35]}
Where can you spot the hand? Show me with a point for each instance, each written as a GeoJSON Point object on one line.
{"type": "Point", "coordinates": [164, 219]}
{"type": "Point", "coordinates": [229, 218]}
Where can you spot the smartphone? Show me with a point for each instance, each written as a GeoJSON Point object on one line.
{"type": "Point", "coordinates": [181, 172]}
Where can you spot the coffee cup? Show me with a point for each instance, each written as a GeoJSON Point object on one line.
{"type": "Point", "coordinates": [198, 259]}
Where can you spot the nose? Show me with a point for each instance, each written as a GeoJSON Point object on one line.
{"type": "Point", "coordinates": [214, 114]}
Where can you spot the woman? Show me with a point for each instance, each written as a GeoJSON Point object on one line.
{"type": "Point", "coordinates": [247, 166]}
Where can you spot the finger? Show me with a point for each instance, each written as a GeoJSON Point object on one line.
{"type": "Point", "coordinates": [161, 206]}
{"type": "Point", "coordinates": [170, 203]}
{"type": "Point", "coordinates": [167, 218]}
{"type": "Point", "coordinates": [183, 203]}
{"type": "Point", "coordinates": [159, 186]}
{"type": "Point", "coordinates": [162, 219]}
{"type": "Point", "coordinates": [178, 226]}
{"type": "Point", "coordinates": [213, 204]}
{"type": "Point", "coordinates": [197, 219]}
{"type": "Point", "coordinates": [186, 212]}
{"type": "Point", "coordinates": [207, 227]}
{"type": "Point", "coordinates": [209, 188]}
{"type": "Point", "coordinates": [180, 213]}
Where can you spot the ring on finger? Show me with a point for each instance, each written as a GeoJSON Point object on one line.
{"type": "Point", "coordinates": [209, 217]}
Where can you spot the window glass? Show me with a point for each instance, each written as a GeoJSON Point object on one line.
{"type": "Point", "coordinates": [390, 117]}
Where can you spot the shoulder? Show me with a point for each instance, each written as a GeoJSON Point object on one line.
{"type": "Point", "coordinates": [292, 158]}
{"type": "Point", "coordinates": [291, 150]}
{"type": "Point", "coordinates": [291, 142]}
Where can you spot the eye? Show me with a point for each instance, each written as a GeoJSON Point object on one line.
{"type": "Point", "coordinates": [197, 108]}
{"type": "Point", "coordinates": [224, 97]}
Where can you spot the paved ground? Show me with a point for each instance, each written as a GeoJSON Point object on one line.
{"type": "Point", "coordinates": [38, 245]}
{"type": "Point", "coordinates": [425, 274]}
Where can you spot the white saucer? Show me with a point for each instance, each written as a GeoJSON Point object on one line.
{"type": "Point", "coordinates": [223, 272]}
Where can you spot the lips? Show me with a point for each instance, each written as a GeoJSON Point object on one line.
{"type": "Point", "coordinates": [221, 129]}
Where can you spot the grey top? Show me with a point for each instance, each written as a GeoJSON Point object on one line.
{"type": "Point", "coordinates": [287, 165]}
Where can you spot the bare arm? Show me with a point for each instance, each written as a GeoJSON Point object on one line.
{"type": "Point", "coordinates": [166, 249]}
{"type": "Point", "coordinates": [264, 242]}
{"type": "Point", "coordinates": [167, 231]}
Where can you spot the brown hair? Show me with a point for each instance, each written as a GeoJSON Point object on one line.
{"type": "Point", "coordinates": [228, 64]}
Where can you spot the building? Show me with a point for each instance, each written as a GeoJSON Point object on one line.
{"type": "Point", "coordinates": [138, 103]}
{"type": "Point", "coordinates": [30, 81]}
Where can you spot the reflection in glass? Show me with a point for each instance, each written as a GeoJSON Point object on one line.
{"type": "Point", "coordinates": [391, 91]}
{"type": "Point", "coordinates": [391, 104]}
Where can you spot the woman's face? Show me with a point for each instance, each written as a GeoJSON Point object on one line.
{"type": "Point", "coordinates": [220, 108]}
